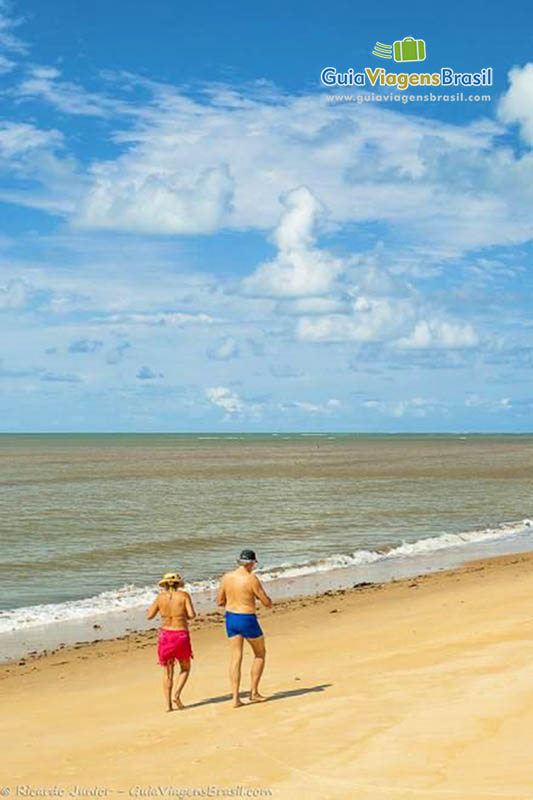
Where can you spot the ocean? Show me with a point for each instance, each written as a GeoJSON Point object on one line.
{"type": "Point", "coordinates": [89, 523]}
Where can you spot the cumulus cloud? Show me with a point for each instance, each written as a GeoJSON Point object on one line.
{"type": "Point", "coordinates": [516, 104]}
{"type": "Point", "coordinates": [300, 268]}
{"type": "Point", "coordinates": [157, 202]}
{"type": "Point", "coordinates": [312, 305]}
{"type": "Point", "coordinates": [19, 295]}
{"type": "Point", "coordinates": [223, 159]}
{"type": "Point", "coordinates": [225, 398]}
{"type": "Point", "coordinates": [372, 319]}
{"type": "Point", "coordinates": [225, 349]}
{"type": "Point", "coordinates": [439, 333]}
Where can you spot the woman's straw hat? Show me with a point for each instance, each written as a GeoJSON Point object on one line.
{"type": "Point", "coordinates": [170, 578]}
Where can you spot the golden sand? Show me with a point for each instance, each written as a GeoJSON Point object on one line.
{"type": "Point", "coordinates": [422, 688]}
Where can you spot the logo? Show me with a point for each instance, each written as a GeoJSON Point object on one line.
{"type": "Point", "coordinates": [406, 49]}
{"type": "Point", "coordinates": [382, 50]}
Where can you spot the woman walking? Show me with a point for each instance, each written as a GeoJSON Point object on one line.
{"type": "Point", "coordinates": [175, 607]}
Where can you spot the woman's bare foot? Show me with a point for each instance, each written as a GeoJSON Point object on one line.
{"type": "Point", "coordinates": [257, 698]}
{"type": "Point", "coordinates": [237, 703]}
{"type": "Point", "coordinates": [177, 702]}
{"type": "Point", "coordinates": [170, 708]}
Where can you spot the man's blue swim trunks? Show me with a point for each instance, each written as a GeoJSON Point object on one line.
{"type": "Point", "coordinates": [242, 625]}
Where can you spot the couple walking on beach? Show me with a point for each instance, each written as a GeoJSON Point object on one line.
{"type": "Point", "coordinates": [238, 592]}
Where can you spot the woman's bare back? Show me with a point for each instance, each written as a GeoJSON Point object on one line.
{"type": "Point", "coordinates": [172, 607]}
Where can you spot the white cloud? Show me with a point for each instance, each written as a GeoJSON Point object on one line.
{"type": "Point", "coordinates": [224, 159]}
{"type": "Point", "coordinates": [225, 349]}
{"type": "Point", "coordinates": [157, 202]}
{"type": "Point", "coordinates": [14, 295]}
{"type": "Point", "coordinates": [193, 166]}
{"type": "Point", "coordinates": [8, 39]}
{"type": "Point", "coordinates": [300, 268]}
{"type": "Point", "coordinates": [439, 333]}
{"type": "Point", "coordinates": [312, 408]}
{"type": "Point", "coordinates": [6, 65]}
{"type": "Point", "coordinates": [312, 305]}
{"type": "Point", "coordinates": [372, 319]}
{"type": "Point", "coordinates": [224, 398]}
{"type": "Point", "coordinates": [19, 138]}
{"type": "Point", "coordinates": [416, 407]}
{"type": "Point", "coordinates": [31, 154]}
{"type": "Point", "coordinates": [45, 84]}
{"type": "Point", "coordinates": [516, 104]}
{"type": "Point", "coordinates": [475, 401]}
{"type": "Point", "coordinates": [177, 318]}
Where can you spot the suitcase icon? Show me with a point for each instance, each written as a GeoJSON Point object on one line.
{"type": "Point", "coordinates": [409, 49]}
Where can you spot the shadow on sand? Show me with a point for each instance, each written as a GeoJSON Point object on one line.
{"type": "Point", "coordinates": [224, 698]}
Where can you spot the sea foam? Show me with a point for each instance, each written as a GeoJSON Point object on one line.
{"type": "Point", "coordinates": [130, 597]}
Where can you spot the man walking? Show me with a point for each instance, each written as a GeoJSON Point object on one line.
{"type": "Point", "coordinates": [237, 593]}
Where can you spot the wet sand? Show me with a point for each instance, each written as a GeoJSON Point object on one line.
{"type": "Point", "coordinates": [420, 687]}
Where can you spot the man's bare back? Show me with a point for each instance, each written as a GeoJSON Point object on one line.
{"type": "Point", "coordinates": [239, 590]}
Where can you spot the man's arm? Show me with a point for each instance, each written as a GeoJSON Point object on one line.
{"type": "Point", "coordinates": [189, 608]}
{"type": "Point", "coordinates": [154, 608]}
{"type": "Point", "coordinates": [221, 593]}
{"type": "Point", "coordinates": [260, 593]}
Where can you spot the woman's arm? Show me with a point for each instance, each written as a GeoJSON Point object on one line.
{"type": "Point", "coordinates": [189, 608]}
{"type": "Point", "coordinates": [154, 608]}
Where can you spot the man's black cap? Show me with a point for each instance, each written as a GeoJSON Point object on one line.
{"type": "Point", "coordinates": [246, 556]}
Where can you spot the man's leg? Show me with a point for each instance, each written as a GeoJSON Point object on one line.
{"type": "Point", "coordinates": [185, 669]}
{"type": "Point", "coordinates": [235, 644]}
{"type": "Point", "coordinates": [168, 677]}
{"type": "Point", "coordinates": [258, 665]}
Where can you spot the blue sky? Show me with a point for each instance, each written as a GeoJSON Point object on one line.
{"type": "Point", "coordinates": [194, 236]}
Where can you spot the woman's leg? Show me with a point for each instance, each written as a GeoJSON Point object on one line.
{"type": "Point", "coordinates": [168, 677]}
{"type": "Point", "coordinates": [185, 669]}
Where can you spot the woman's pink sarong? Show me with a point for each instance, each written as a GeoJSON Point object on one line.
{"type": "Point", "coordinates": [173, 645]}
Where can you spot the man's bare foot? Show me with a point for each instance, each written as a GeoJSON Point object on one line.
{"type": "Point", "coordinates": [257, 698]}
{"type": "Point", "coordinates": [178, 703]}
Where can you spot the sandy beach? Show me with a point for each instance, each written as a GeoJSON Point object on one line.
{"type": "Point", "coordinates": [419, 688]}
